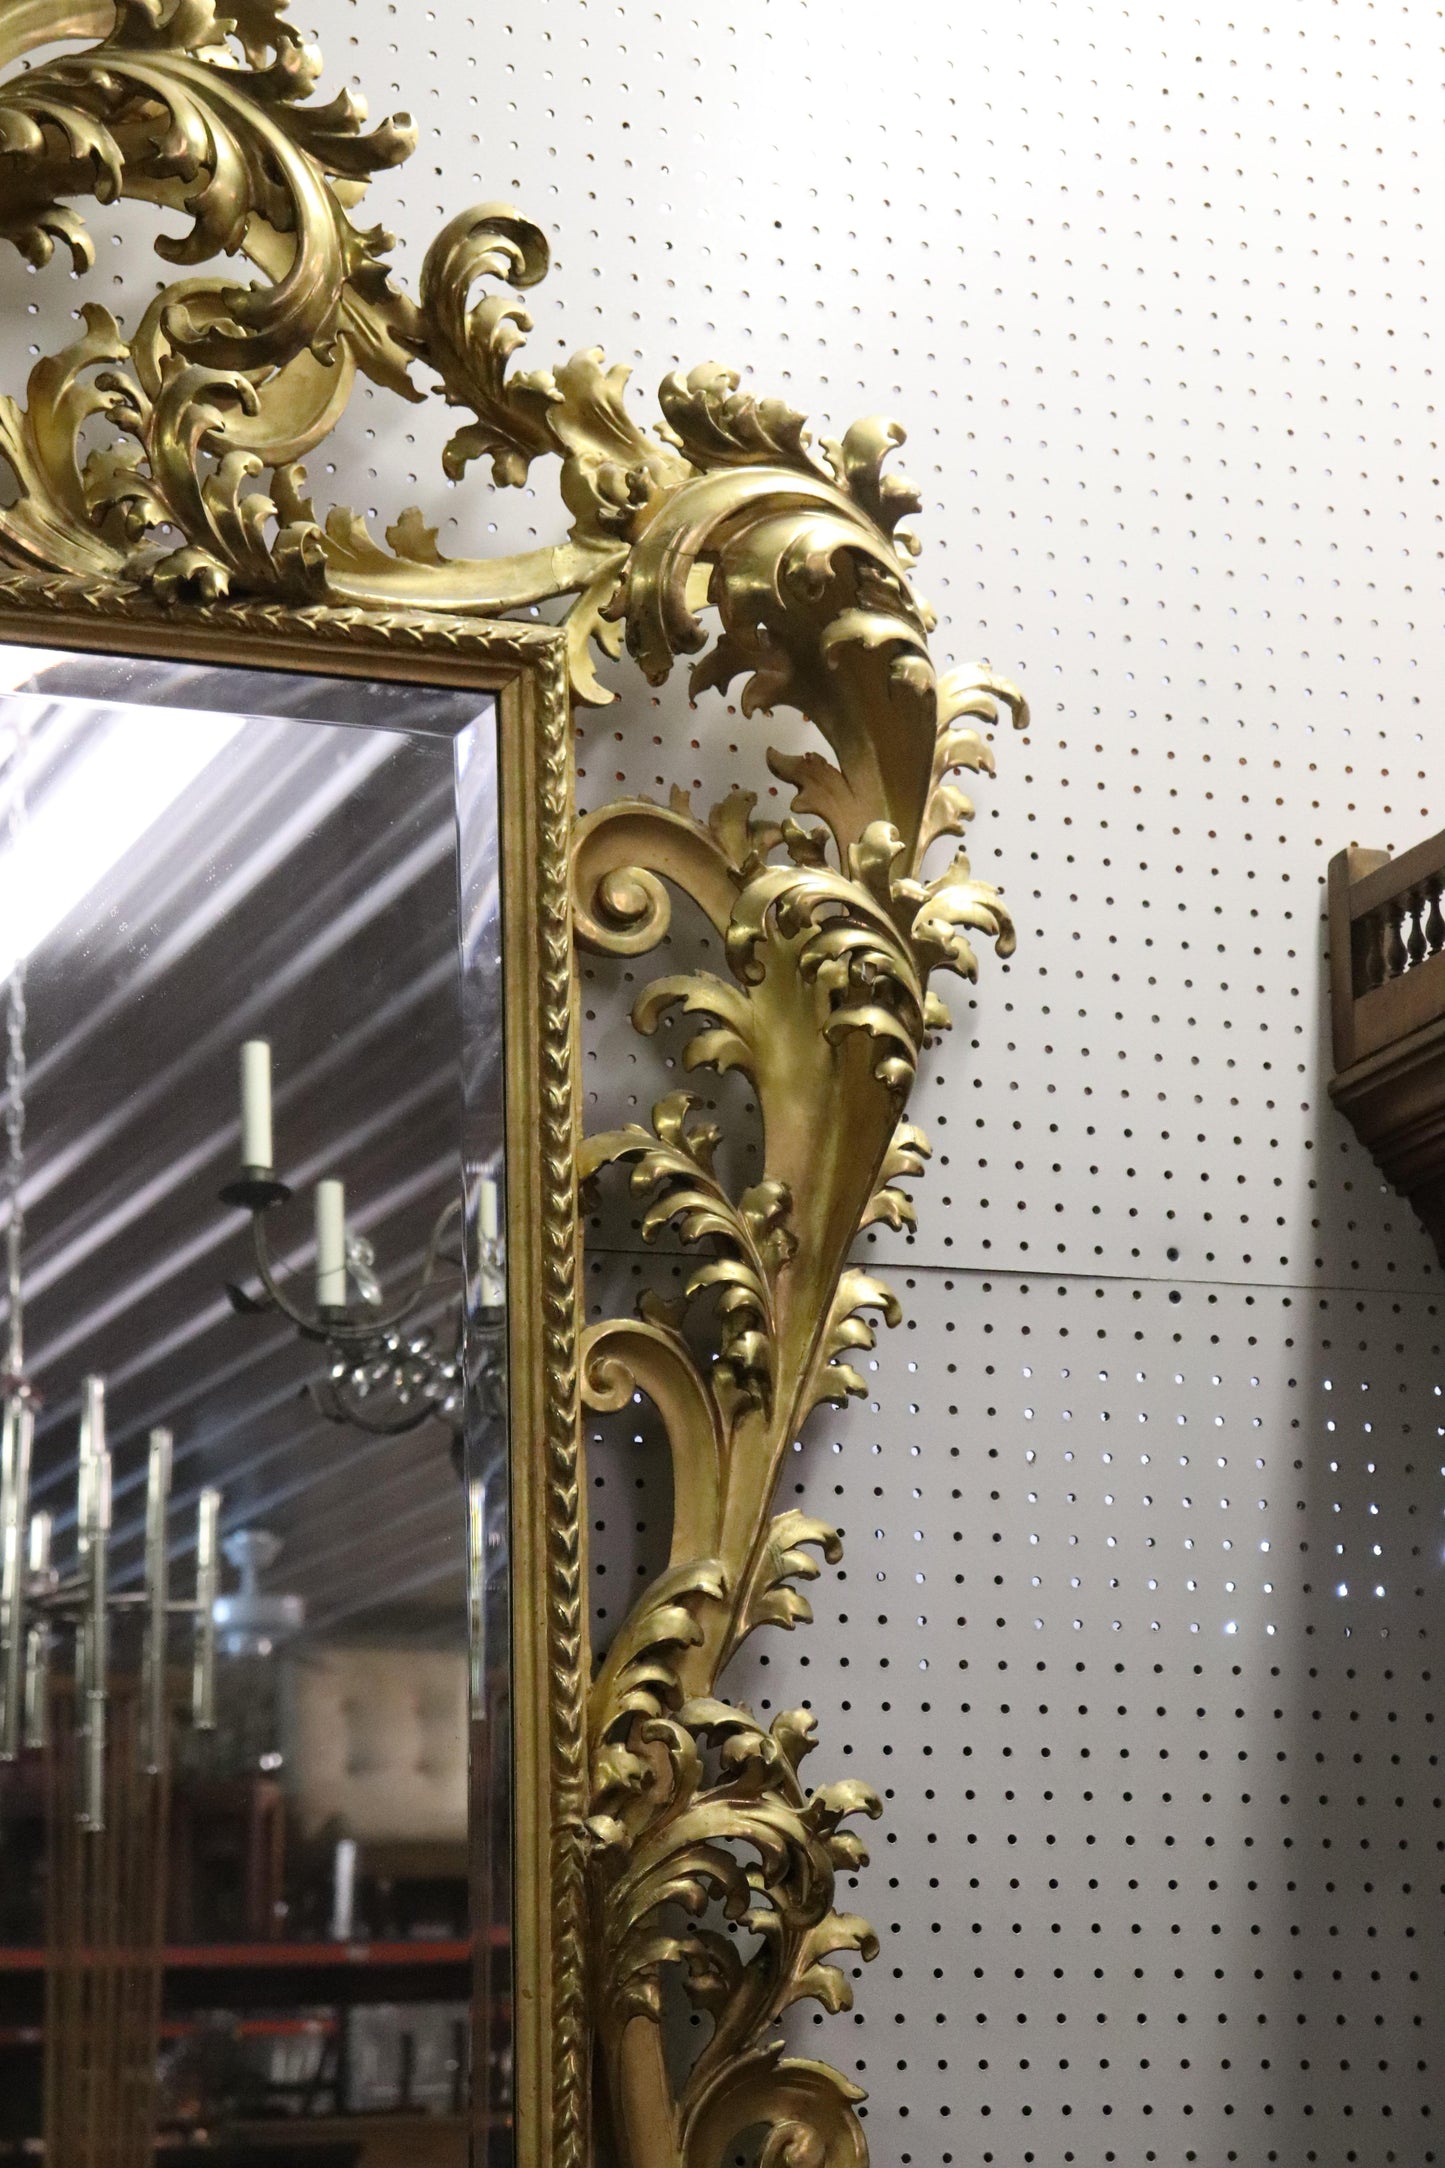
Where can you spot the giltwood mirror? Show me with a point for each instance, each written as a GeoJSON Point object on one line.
{"type": "Point", "coordinates": [312, 797]}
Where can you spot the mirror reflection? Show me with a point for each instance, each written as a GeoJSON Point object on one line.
{"type": "Point", "coordinates": [254, 1899]}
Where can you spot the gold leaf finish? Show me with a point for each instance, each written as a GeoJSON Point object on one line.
{"type": "Point", "coordinates": [158, 481]}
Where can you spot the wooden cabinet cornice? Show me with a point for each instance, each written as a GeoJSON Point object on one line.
{"type": "Point", "coordinates": [1387, 998]}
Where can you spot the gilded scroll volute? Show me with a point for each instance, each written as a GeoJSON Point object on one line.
{"type": "Point", "coordinates": [722, 534]}
{"type": "Point", "coordinates": [830, 928]}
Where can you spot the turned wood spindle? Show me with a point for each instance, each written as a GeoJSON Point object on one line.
{"type": "Point", "coordinates": [1415, 913]}
{"type": "Point", "coordinates": [1434, 917]}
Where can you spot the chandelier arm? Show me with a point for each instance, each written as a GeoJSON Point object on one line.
{"type": "Point", "coordinates": [266, 1272]}
{"type": "Point", "coordinates": [448, 1213]}
{"type": "Point", "coordinates": [337, 1329]}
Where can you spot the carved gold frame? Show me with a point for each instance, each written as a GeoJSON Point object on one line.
{"type": "Point", "coordinates": [159, 505]}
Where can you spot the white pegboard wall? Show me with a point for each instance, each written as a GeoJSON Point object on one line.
{"type": "Point", "coordinates": [1154, 291]}
{"type": "Point", "coordinates": [1137, 1632]}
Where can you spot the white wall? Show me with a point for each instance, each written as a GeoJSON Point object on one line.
{"type": "Point", "coordinates": [1154, 292]}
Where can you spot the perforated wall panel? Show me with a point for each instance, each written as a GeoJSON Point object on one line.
{"type": "Point", "coordinates": [1143, 1511]}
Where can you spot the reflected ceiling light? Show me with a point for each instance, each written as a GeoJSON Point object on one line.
{"type": "Point", "coordinates": [99, 808]}
{"type": "Point", "coordinates": [254, 1621]}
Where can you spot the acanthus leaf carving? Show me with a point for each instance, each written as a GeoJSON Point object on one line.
{"type": "Point", "coordinates": [827, 1007]}
{"type": "Point", "coordinates": [171, 466]}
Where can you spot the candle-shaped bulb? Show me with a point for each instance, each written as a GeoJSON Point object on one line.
{"type": "Point", "coordinates": [37, 1638]}
{"type": "Point", "coordinates": [343, 1890]}
{"type": "Point", "coordinates": [477, 1592]}
{"type": "Point", "coordinates": [256, 1104]}
{"type": "Point", "coordinates": [208, 1582]}
{"type": "Point", "coordinates": [154, 1710]}
{"type": "Point", "coordinates": [14, 1513]}
{"type": "Point", "coordinates": [331, 1246]}
{"type": "Point", "coordinates": [491, 1287]}
{"type": "Point", "coordinates": [42, 1531]}
{"type": "Point", "coordinates": [92, 1419]}
{"type": "Point", "coordinates": [93, 1487]}
{"type": "Point", "coordinates": [92, 1674]}
{"type": "Point", "coordinates": [94, 1449]}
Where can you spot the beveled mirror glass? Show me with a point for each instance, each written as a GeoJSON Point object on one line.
{"type": "Point", "coordinates": [255, 1833]}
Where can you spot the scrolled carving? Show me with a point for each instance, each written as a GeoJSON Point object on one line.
{"type": "Point", "coordinates": [830, 936]}
{"type": "Point", "coordinates": [689, 1856]}
{"type": "Point", "coordinates": [161, 108]}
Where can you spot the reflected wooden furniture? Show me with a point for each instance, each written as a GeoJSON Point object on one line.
{"type": "Point", "coordinates": [105, 1901]}
{"type": "Point", "coordinates": [255, 1983]}
{"type": "Point", "coordinates": [231, 1831]}
{"type": "Point", "coordinates": [1387, 1000]}
{"type": "Point", "coordinates": [382, 2141]}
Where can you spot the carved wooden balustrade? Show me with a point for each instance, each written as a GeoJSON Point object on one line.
{"type": "Point", "coordinates": [1387, 990]}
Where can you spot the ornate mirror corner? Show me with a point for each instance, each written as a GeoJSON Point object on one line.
{"type": "Point", "coordinates": [158, 507]}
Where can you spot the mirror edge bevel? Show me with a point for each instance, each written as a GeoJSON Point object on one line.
{"type": "Point", "coordinates": [526, 667]}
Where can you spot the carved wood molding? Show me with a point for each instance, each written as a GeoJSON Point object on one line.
{"type": "Point", "coordinates": [723, 533]}
{"type": "Point", "coordinates": [1387, 1003]}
